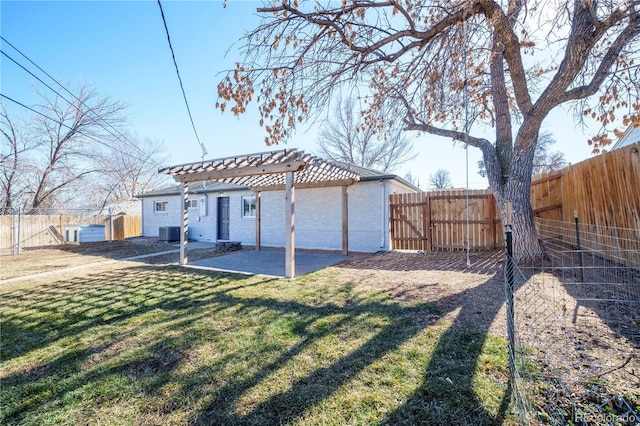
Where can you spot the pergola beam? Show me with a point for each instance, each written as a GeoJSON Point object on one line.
{"type": "Point", "coordinates": [258, 220]}
{"type": "Point", "coordinates": [345, 221]}
{"type": "Point", "coordinates": [307, 185]}
{"type": "Point", "coordinates": [237, 172]}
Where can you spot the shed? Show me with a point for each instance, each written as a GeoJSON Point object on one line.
{"type": "Point", "coordinates": [84, 233]}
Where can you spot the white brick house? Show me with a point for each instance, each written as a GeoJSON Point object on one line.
{"type": "Point", "coordinates": [318, 213]}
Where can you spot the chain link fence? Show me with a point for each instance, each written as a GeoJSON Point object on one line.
{"type": "Point", "coordinates": [574, 324]}
{"type": "Point", "coordinates": [43, 228]}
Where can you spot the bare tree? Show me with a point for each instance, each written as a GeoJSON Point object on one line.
{"type": "Point", "coordinates": [544, 161]}
{"type": "Point", "coordinates": [419, 62]}
{"type": "Point", "coordinates": [440, 179]}
{"type": "Point", "coordinates": [344, 138]}
{"type": "Point", "coordinates": [413, 180]}
{"type": "Point", "coordinates": [70, 134]}
{"type": "Point", "coordinates": [128, 170]}
{"type": "Point", "coordinates": [74, 149]}
{"type": "Point", "coordinates": [16, 145]}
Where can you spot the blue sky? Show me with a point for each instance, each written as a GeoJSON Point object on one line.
{"type": "Point", "coordinates": [120, 47]}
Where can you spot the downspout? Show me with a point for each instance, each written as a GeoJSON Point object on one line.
{"type": "Point", "coordinates": [383, 222]}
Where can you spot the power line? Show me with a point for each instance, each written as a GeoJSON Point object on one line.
{"type": "Point", "coordinates": [124, 137]}
{"type": "Point", "coordinates": [50, 118]}
{"type": "Point", "coordinates": [77, 131]}
{"type": "Point", "coordinates": [59, 95]}
{"type": "Point", "coordinates": [76, 107]}
{"type": "Point", "coordinates": [184, 95]}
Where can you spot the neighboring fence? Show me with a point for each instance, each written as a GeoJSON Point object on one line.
{"type": "Point", "coordinates": [603, 191]}
{"type": "Point", "coordinates": [46, 227]}
{"type": "Point", "coordinates": [126, 226]}
{"type": "Point", "coordinates": [574, 322]}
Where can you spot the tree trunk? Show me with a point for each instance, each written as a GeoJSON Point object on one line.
{"type": "Point", "coordinates": [526, 245]}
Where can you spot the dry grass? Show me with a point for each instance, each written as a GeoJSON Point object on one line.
{"type": "Point", "coordinates": [75, 255]}
{"type": "Point", "coordinates": [70, 255]}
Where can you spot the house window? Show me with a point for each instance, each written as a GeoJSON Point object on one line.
{"type": "Point", "coordinates": [249, 206]}
{"type": "Point", "coordinates": [161, 206]}
{"type": "Point", "coordinates": [192, 204]}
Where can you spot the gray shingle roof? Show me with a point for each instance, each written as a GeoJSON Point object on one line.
{"type": "Point", "coordinates": [195, 188]}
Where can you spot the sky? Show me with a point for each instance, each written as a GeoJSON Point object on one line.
{"type": "Point", "coordinates": [121, 49]}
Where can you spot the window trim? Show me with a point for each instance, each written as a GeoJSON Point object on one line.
{"type": "Point", "coordinates": [253, 203]}
{"type": "Point", "coordinates": [192, 201]}
{"type": "Point", "coordinates": [165, 203]}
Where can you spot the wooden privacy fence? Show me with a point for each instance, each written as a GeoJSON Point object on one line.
{"type": "Point", "coordinates": [125, 226]}
{"type": "Point", "coordinates": [44, 230]}
{"type": "Point", "coordinates": [438, 220]}
{"type": "Point", "coordinates": [604, 191]}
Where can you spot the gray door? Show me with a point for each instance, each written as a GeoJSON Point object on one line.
{"type": "Point", "coordinates": [223, 218]}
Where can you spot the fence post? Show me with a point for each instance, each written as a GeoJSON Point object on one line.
{"type": "Point", "coordinates": [508, 290]}
{"type": "Point", "coordinates": [19, 230]}
{"type": "Point", "coordinates": [110, 226]}
{"type": "Point", "coordinates": [427, 209]}
{"type": "Point", "coordinates": [580, 258]}
{"type": "Point", "coordinates": [13, 231]}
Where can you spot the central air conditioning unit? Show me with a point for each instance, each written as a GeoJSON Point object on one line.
{"type": "Point", "coordinates": [169, 233]}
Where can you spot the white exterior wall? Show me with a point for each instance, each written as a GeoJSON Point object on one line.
{"type": "Point", "coordinates": [240, 228]}
{"type": "Point", "coordinates": [203, 219]}
{"type": "Point", "coordinates": [368, 223]}
{"type": "Point", "coordinates": [318, 217]}
{"type": "Point", "coordinates": [152, 221]}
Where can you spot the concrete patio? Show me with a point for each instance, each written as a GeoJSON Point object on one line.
{"type": "Point", "coordinates": [268, 262]}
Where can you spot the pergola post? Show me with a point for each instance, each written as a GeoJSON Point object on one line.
{"type": "Point", "coordinates": [258, 220]}
{"type": "Point", "coordinates": [184, 223]}
{"type": "Point", "coordinates": [289, 247]}
{"type": "Point", "coordinates": [345, 221]}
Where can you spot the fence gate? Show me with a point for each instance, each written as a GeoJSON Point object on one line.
{"type": "Point", "coordinates": [410, 227]}
{"type": "Point", "coordinates": [445, 220]}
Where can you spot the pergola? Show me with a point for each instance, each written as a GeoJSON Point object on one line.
{"type": "Point", "coordinates": [267, 171]}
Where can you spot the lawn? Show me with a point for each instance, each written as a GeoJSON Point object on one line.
{"type": "Point", "coordinates": [160, 344]}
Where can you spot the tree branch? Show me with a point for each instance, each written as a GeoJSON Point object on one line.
{"type": "Point", "coordinates": [609, 59]}
{"type": "Point", "coordinates": [453, 134]}
{"type": "Point", "coordinates": [503, 26]}
{"type": "Point", "coordinates": [584, 35]}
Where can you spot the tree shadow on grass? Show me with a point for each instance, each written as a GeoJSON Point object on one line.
{"type": "Point", "coordinates": [88, 302]}
{"type": "Point", "coordinates": [448, 394]}
{"type": "Point", "coordinates": [318, 385]}
{"type": "Point", "coordinates": [33, 318]}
